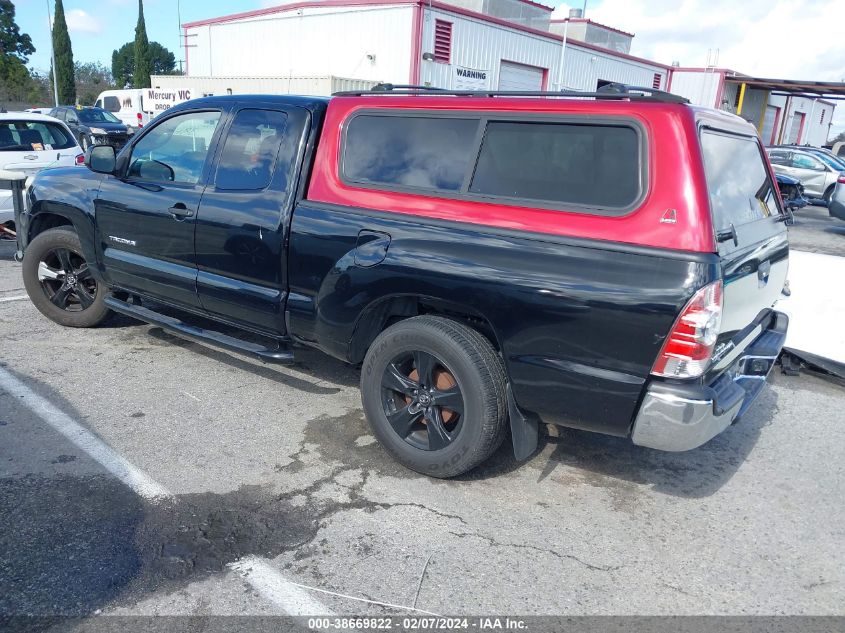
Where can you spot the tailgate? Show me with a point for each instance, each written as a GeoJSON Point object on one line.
{"type": "Point", "coordinates": [751, 235]}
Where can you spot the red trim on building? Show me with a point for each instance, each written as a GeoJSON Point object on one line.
{"type": "Point", "coordinates": [774, 133]}
{"type": "Point", "coordinates": [593, 22]}
{"type": "Point", "coordinates": [187, 66]}
{"type": "Point", "coordinates": [720, 92]}
{"type": "Point", "coordinates": [307, 4]}
{"type": "Point", "coordinates": [416, 43]}
{"type": "Point", "coordinates": [633, 58]}
{"type": "Point", "coordinates": [803, 116]}
{"type": "Point", "coordinates": [545, 84]}
{"type": "Point", "coordinates": [531, 3]}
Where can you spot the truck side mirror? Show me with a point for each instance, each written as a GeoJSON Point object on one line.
{"type": "Point", "coordinates": [101, 159]}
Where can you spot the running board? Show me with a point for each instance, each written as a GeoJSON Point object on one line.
{"type": "Point", "coordinates": [279, 355]}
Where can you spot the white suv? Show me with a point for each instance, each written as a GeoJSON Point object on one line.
{"type": "Point", "coordinates": [30, 142]}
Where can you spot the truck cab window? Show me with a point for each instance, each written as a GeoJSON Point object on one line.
{"type": "Point", "coordinates": [175, 150]}
{"type": "Point", "coordinates": [249, 154]}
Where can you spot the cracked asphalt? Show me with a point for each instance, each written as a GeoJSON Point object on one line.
{"type": "Point", "coordinates": [278, 463]}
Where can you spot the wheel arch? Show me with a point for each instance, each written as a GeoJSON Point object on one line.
{"type": "Point", "coordinates": [46, 215]}
{"type": "Point", "coordinates": [383, 312]}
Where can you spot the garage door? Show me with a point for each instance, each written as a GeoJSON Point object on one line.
{"type": "Point", "coordinates": [796, 129]}
{"type": "Point", "coordinates": [520, 77]}
{"type": "Point", "coordinates": [770, 121]}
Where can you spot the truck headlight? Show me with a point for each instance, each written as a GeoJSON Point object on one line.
{"type": "Point", "coordinates": [98, 130]}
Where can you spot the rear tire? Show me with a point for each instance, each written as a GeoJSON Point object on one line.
{"type": "Point", "coordinates": [434, 393]}
{"type": "Point", "coordinates": [59, 282]}
{"type": "Point", "coordinates": [828, 194]}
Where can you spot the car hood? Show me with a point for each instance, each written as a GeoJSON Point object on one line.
{"type": "Point", "coordinates": [787, 180]}
{"type": "Point", "coordinates": [108, 127]}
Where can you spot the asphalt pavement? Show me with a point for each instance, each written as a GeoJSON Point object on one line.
{"type": "Point", "coordinates": [143, 474]}
{"type": "Point", "coordinates": [816, 231]}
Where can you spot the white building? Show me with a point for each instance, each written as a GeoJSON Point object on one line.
{"type": "Point", "coordinates": [472, 44]}
{"type": "Point", "coordinates": [783, 110]}
{"type": "Point", "coordinates": [320, 46]}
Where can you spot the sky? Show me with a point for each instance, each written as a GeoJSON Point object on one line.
{"type": "Point", "coordinates": [792, 39]}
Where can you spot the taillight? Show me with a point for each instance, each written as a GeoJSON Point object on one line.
{"type": "Point", "coordinates": [80, 159]}
{"type": "Point", "coordinates": [841, 179]}
{"type": "Point", "coordinates": [140, 120]}
{"type": "Point", "coordinates": [689, 346]}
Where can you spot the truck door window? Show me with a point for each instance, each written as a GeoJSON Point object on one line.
{"type": "Point", "coordinates": [175, 150]}
{"type": "Point", "coordinates": [249, 154]}
{"type": "Point", "coordinates": [112, 104]}
{"type": "Point", "coordinates": [780, 158]}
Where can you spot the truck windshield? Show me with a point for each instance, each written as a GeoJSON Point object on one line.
{"type": "Point", "coordinates": [737, 180]}
{"type": "Point", "coordinates": [96, 115]}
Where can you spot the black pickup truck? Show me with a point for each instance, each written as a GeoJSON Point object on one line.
{"type": "Point", "coordinates": [494, 261]}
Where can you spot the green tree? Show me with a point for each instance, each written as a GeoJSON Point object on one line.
{"type": "Point", "coordinates": [91, 79]}
{"type": "Point", "coordinates": [13, 43]}
{"type": "Point", "coordinates": [141, 70]}
{"type": "Point", "coordinates": [64, 57]}
{"type": "Point", "coordinates": [15, 49]}
{"type": "Point", "coordinates": [122, 65]}
{"type": "Point", "coordinates": [161, 62]}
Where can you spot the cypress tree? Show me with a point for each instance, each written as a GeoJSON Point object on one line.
{"type": "Point", "coordinates": [141, 72]}
{"type": "Point", "coordinates": [64, 58]}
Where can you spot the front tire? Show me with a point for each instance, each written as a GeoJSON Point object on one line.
{"type": "Point", "coordinates": [434, 393]}
{"type": "Point", "coordinates": [59, 282]}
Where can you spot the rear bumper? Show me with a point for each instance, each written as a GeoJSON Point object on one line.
{"type": "Point", "coordinates": [677, 417]}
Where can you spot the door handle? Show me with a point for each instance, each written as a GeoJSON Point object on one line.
{"type": "Point", "coordinates": [180, 211]}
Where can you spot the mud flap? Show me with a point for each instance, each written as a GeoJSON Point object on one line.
{"type": "Point", "coordinates": [524, 430]}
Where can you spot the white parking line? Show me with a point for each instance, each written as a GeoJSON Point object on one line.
{"type": "Point", "coordinates": [13, 298]}
{"type": "Point", "coordinates": [117, 465]}
{"type": "Point", "coordinates": [264, 578]}
{"type": "Point", "coordinates": [289, 596]}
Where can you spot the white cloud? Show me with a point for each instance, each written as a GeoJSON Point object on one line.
{"type": "Point", "coordinates": [79, 21]}
{"type": "Point", "coordinates": [790, 39]}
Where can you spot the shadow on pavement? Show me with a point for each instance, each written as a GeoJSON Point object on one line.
{"type": "Point", "coordinates": [606, 461]}
{"type": "Point", "coordinates": [74, 539]}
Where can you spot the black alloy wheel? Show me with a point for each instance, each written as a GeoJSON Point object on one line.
{"type": "Point", "coordinates": [66, 280]}
{"type": "Point", "coordinates": [422, 400]}
{"type": "Point", "coordinates": [60, 282]}
{"type": "Point", "coordinates": [434, 393]}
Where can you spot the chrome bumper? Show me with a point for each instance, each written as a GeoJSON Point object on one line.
{"type": "Point", "coordinates": [676, 417]}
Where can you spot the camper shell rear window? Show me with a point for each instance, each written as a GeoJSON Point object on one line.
{"type": "Point", "coordinates": [583, 164]}
{"type": "Point", "coordinates": [738, 182]}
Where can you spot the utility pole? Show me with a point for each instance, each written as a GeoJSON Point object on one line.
{"type": "Point", "coordinates": [181, 42]}
{"type": "Point", "coordinates": [53, 56]}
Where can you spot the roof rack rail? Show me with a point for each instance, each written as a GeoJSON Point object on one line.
{"type": "Point", "coordinates": [610, 92]}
